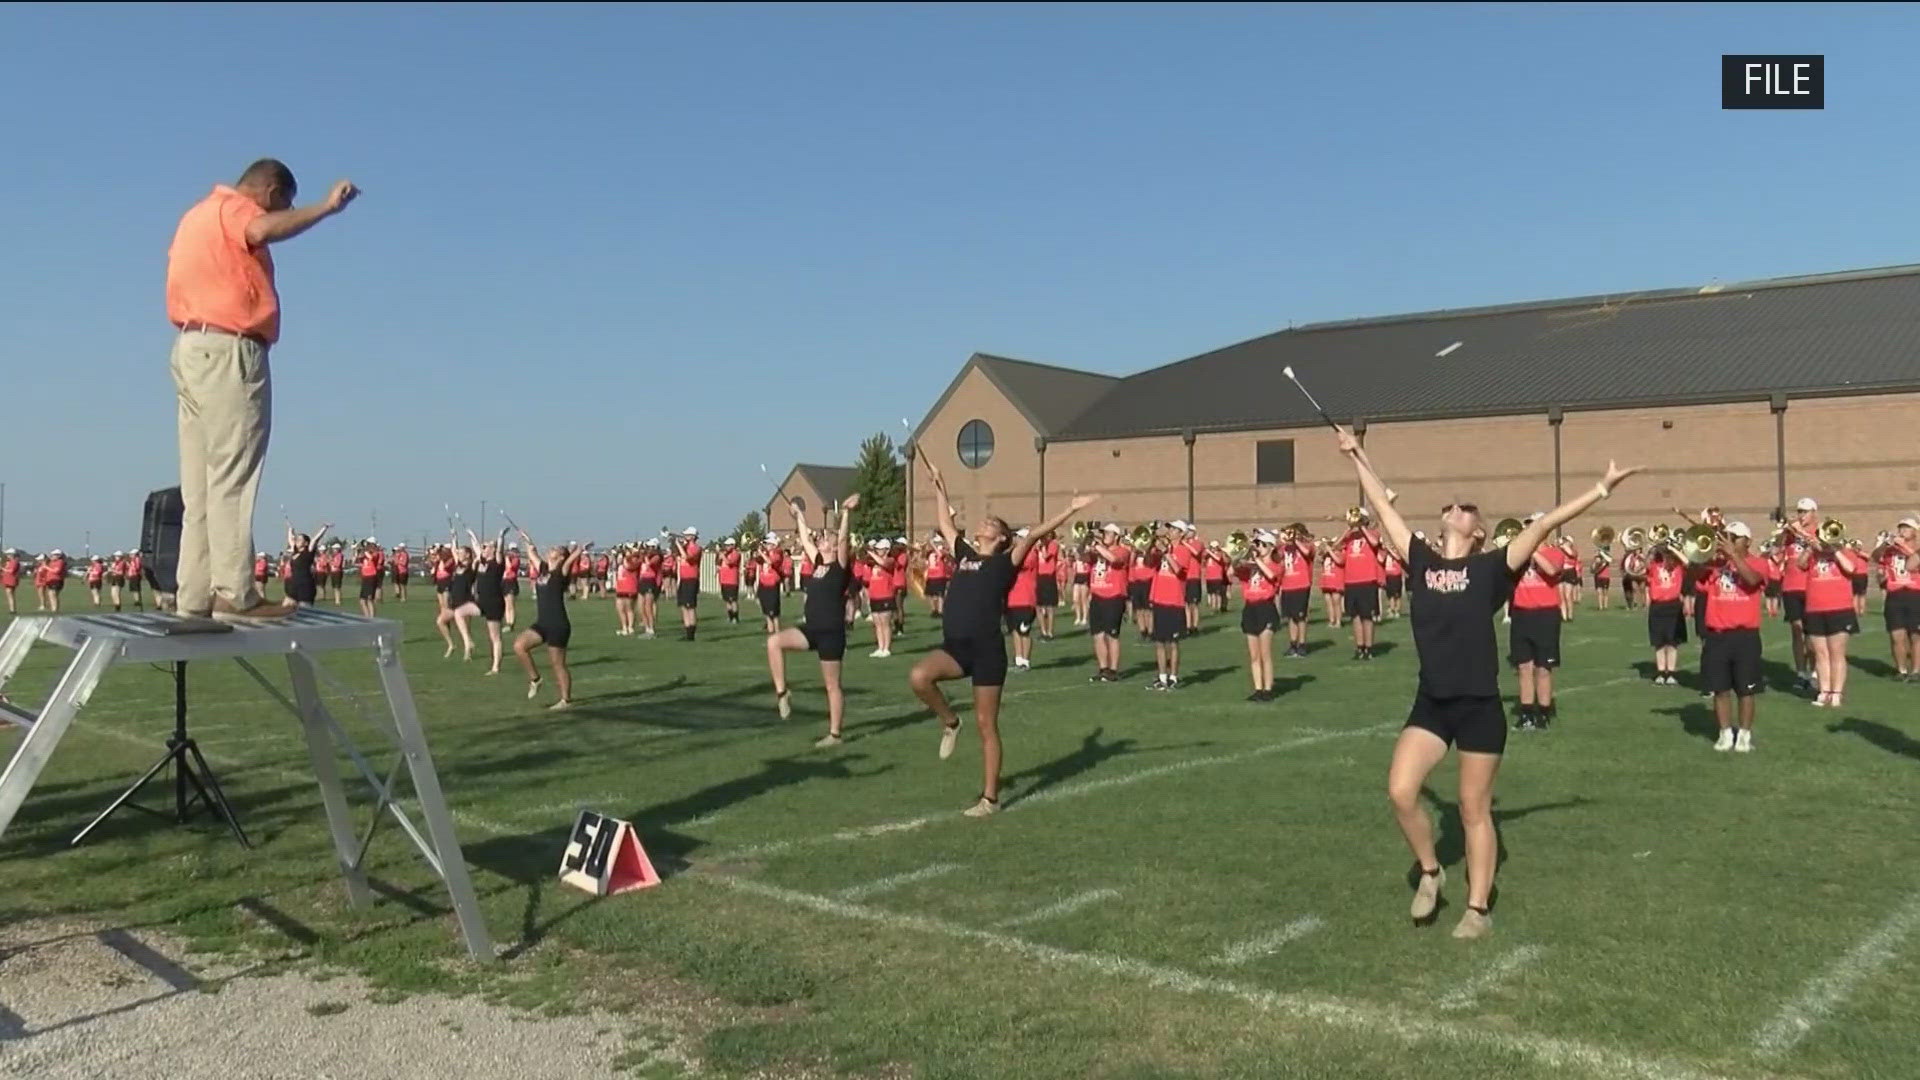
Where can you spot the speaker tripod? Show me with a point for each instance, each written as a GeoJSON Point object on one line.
{"type": "Point", "coordinates": [194, 784]}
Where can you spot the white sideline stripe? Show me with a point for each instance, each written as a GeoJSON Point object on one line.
{"type": "Point", "coordinates": [1064, 907]}
{"type": "Point", "coordinates": [1822, 995]}
{"type": "Point", "coordinates": [1503, 967]}
{"type": "Point", "coordinates": [1368, 1019]}
{"type": "Point", "coordinates": [1596, 686]}
{"type": "Point", "coordinates": [896, 881]}
{"type": "Point", "coordinates": [1064, 791]}
{"type": "Point", "coordinates": [1269, 943]}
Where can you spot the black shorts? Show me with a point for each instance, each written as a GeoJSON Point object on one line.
{"type": "Point", "coordinates": [1105, 614]}
{"type": "Point", "coordinates": [1666, 624]}
{"type": "Point", "coordinates": [553, 637]}
{"type": "Point", "coordinates": [510, 587]}
{"type": "Point", "coordinates": [401, 579]}
{"type": "Point", "coordinates": [936, 586]}
{"type": "Point", "coordinates": [1049, 591]}
{"type": "Point", "coordinates": [1859, 586]}
{"type": "Point", "coordinates": [880, 605]}
{"type": "Point", "coordinates": [1363, 601]}
{"type": "Point", "coordinates": [1730, 662]}
{"type": "Point", "coordinates": [1294, 604]}
{"type": "Point", "coordinates": [1534, 637]}
{"type": "Point", "coordinates": [687, 594]}
{"type": "Point", "coordinates": [1169, 623]}
{"type": "Point", "coordinates": [302, 592]}
{"type": "Point", "coordinates": [1603, 583]}
{"type": "Point", "coordinates": [1828, 623]}
{"type": "Point", "coordinates": [57, 584]}
{"type": "Point", "coordinates": [1020, 620]}
{"type": "Point", "coordinates": [369, 588]}
{"type": "Point", "coordinates": [984, 660]}
{"type": "Point", "coordinates": [439, 586]}
{"type": "Point", "coordinates": [1476, 725]}
{"type": "Point", "coordinates": [1137, 593]}
{"type": "Point", "coordinates": [1793, 605]}
{"type": "Point", "coordinates": [624, 594]}
{"type": "Point", "coordinates": [650, 588]}
{"type": "Point", "coordinates": [1193, 592]}
{"type": "Point", "coordinates": [769, 597]}
{"type": "Point", "coordinates": [1216, 588]}
{"type": "Point", "coordinates": [492, 609]}
{"type": "Point", "coordinates": [730, 593]}
{"type": "Point", "coordinates": [1903, 610]}
{"type": "Point", "coordinates": [830, 644]}
{"type": "Point", "coordinates": [1396, 586]}
{"type": "Point", "coordinates": [1080, 579]}
{"type": "Point", "coordinates": [1773, 589]}
{"type": "Point", "coordinates": [1259, 617]}
{"type": "Point", "coordinates": [334, 580]}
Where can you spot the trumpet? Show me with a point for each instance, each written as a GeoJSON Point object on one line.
{"type": "Point", "coordinates": [1082, 530]}
{"type": "Point", "coordinates": [1142, 537]}
{"type": "Point", "coordinates": [1237, 545]}
{"type": "Point", "coordinates": [1354, 517]}
{"type": "Point", "coordinates": [1296, 532]}
{"type": "Point", "coordinates": [1508, 530]}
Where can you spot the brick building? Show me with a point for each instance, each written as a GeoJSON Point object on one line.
{"type": "Point", "coordinates": [818, 487]}
{"type": "Point", "coordinates": [1745, 396]}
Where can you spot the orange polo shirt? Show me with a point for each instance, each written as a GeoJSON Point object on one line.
{"type": "Point", "coordinates": [214, 276]}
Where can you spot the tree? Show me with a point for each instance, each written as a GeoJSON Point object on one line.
{"type": "Point", "coordinates": [752, 525]}
{"type": "Point", "coordinates": [881, 479]}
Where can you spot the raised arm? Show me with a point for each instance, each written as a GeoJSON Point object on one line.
{"type": "Point", "coordinates": [841, 546]}
{"type": "Point", "coordinates": [1399, 537]}
{"type": "Point", "coordinates": [943, 508]}
{"type": "Point", "coordinates": [1523, 546]}
{"type": "Point", "coordinates": [805, 534]}
{"type": "Point", "coordinates": [1024, 544]}
{"type": "Point", "coordinates": [533, 551]}
{"type": "Point", "coordinates": [317, 537]}
{"type": "Point", "coordinates": [277, 225]}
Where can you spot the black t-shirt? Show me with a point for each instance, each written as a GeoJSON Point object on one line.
{"type": "Point", "coordinates": [460, 587]}
{"type": "Point", "coordinates": [487, 581]}
{"type": "Point", "coordinates": [1453, 602]}
{"type": "Point", "coordinates": [302, 569]}
{"type": "Point", "coordinates": [826, 607]}
{"type": "Point", "coordinates": [977, 592]}
{"type": "Point", "coordinates": [550, 600]}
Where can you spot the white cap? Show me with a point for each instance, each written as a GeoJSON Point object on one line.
{"type": "Point", "coordinates": [515, 546]}
{"type": "Point", "coordinates": [1021, 532]}
{"type": "Point", "coordinates": [1265, 537]}
{"type": "Point", "coordinates": [373, 539]}
{"type": "Point", "coordinates": [57, 551]}
{"type": "Point", "coordinates": [1806, 503]}
{"type": "Point", "coordinates": [1910, 523]}
{"type": "Point", "coordinates": [937, 539]}
{"type": "Point", "coordinates": [772, 538]}
{"type": "Point", "coordinates": [1536, 516]}
{"type": "Point", "coordinates": [1110, 527]}
{"type": "Point", "coordinates": [1181, 525]}
{"type": "Point", "coordinates": [900, 540]}
{"type": "Point", "coordinates": [729, 542]}
{"type": "Point", "coordinates": [882, 544]}
{"type": "Point", "coordinates": [1739, 528]}
{"type": "Point", "coordinates": [653, 542]}
{"type": "Point", "coordinates": [401, 546]}
{"type": "Point", "coordinates": [1365, 513]}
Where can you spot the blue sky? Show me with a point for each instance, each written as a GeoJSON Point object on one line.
{"type": "Point", "coordinates": [608, 260]}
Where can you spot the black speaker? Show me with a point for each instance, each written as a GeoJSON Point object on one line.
{"type": "Point", "coordinates": [160, 539]}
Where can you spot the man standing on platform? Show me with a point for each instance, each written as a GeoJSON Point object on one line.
{"type": "Point", "coordinates": [221, 298]}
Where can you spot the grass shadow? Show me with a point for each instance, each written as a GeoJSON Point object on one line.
{"type": "Point", "coordinates": [1205, 675]}
{"type": "Point", "coordinates": [1451, 844]}
{"type": "Point", "coordinates": [1696, 719]}
{"type": "Point", "coordinates": [1890, 739]}
{"type": "Point", "coordinates": [1879, 669]}
{"type": "Point", "coordinates": [1072, 661]}
{"type": "Point", "coordinates": [1091, 754]}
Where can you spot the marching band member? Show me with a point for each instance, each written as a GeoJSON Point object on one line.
{"type": "Point", "coordinates": [1191, 554]}
{"type": "Point", "coordinates": [1455, 594]}
{"type": "Point", "coordinates": [1776, 560]}
{"type": "Point", "coordinates": [599, 568]}
{"type": "Point", "coordinates": [1730, 665]}
{"type": "Point", "coordinates": [1829, 618]}
{"type": "Point", "coordinates": [262, 570]}
{"type": "Point", "coordinates": [1396, 582]}
{"type": "Point", "coordinates": [1569, 584]}
{"type": "Point", "coordinates": [1602, 579]}
{"type": "Point", "coordinates": [939, 571]}
{"type": "Point", "coordinates": [136, 574]}
{"type": "Point", "coordinates": [459, 606]}
{"type": "Point", "coordinates": [626, 589]}
{"type": "Point", "coordinates": [902, 561]}
{"type": "Point", "coordinates": [96, 574]}
{"type": "Point", "coordinates": [1533, 637]}
{"type": "Point", "coordinates": [116, 577]}
{"type": "Point", "coordinates": [1213, 577]}
{"type": "Point", "coordinates": [1666, 613]}
{"type": "Point", "coordinates": [879, 562]}
{"type": "Point", "coordinates": [1793, 586]}
{"type": "Point", "coordinates": [511, 570]}
{"type": "Point", "coordinates": [823, 629]}
{"type": "Point", "coordinates": [402, 570]}
{"type": "Point", "coordinates": [1358, 556]}
{"type": "Point", "coordinates": [651, 562]}
{"type": "Point", "coordinates": [1172, 569]}
{"type": "Point", "coordinates": [551, 625]}
{"type": "Point", "coordinates": [337, 571]}
{"type": "Point", "coordinates": [56, 578]}
{"type": "Point", "coordinates": [303, 581]}
{"type": "Point", "coordinates": [1082, 585]}
{"type": "Point", "coordinates": [10, 578]}
{"type": "Point", "coordinates": [687, 568]}
{"type": "Point", "coordinates": [1046, 588]}
{"type": "Point", "coordinates": [442, 561]}
{"type": "Point", "coordinates": [972, 645]}
{"type": "Point", "coordinates": [1140, 593]}
{"type": "Point", "coordinates": [1023, 601]}
{"type": "Point", "coordinates": [1296, 589]}
{"type": "Point", "coordinates": [1333, 583]}
{"type": "Point", "coordinates": [1260, 576]}
{"type": "Point", "coordinates": [728, 572]}
{"type": "Point", "coordinates": [769, 574]}
{"type": "Point", "coordinates": [1902, 555]}
{"type": "Point", "coordinates": [372, 564]}
{"type": "Point", "coordinates": [1107, 587]}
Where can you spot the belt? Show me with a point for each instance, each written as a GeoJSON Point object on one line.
{"type": "Point", "coordinates": [209, 328]}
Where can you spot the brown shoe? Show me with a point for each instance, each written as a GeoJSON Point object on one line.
{"type": "Point", "coordinates": [260, 611]}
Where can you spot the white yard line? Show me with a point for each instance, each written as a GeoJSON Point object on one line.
{"type": "Point", "coordinates": [1064, 791]}
{"type": "Point", "coordinates": [1500, 970]}
{"type": "Point", "coordinates": [1269, 943]}
{"type": "Point", "coordinates": [1064, 907]}
{"type": "Point", "coordinates": [897, 881]}
{"type": "Point", "coordinates": [1369, 1020]}
{"type": "Point", "coordinates": [1831, 987]}
{"type": "Point", "coordinates": [1558, 693]}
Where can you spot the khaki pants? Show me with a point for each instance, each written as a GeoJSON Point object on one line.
{"type": "Point", "coordinates": [226, 411]}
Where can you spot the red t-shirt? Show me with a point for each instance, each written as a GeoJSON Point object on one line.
{"type": "Point", "coordinates": [806, 567]}
{"type": "Point", "coordinates": [601, 564]}
{"type": "Point", "coordinates": [1049, 561]}
{"type": "Point", "coordinates": [1217, 567]}
{"type": "Point", "coordinates": [442, 568]}
{"type": "Point", "coordinates": [1665, 579]}
{"type": "Point", "coordinates": [1026, 583]}
{"type": "Point", "coordinates": [95, 571]}
{"type": "Point", "coordinates": [880, 578]}
{"type": "Point", "coordinates": [1257, 587]}
{"type": "Point", "coordinates": [1903, 571]}
{"type": "Point", "coordinates": [510, 567]}
{"type": "Point", "coordinates": [938, 568]}
{"type": "Point", "coordinates": [1332, 576]}
{"type": "Point", "coordinates": [1139, 569]}
{"type": "Point", "coordinates": [1296, 569]}
{"type": "Point", "coordinates": [1732, 604]}
{"type": "Point", "coordinates": [773, 569]}
{"type": "Point", "coordinates": [260, 568]}
{"type": "Point", "coordinates": [689, 562]}
{"type": "Point", "coordinates": [1539, 590]}
{"type": "Point", "coordinates": [730, 568]}
{"type": "Point", "coordinates": [627, 580]}
{"type": "Point", "coordinates": [370, 564]}
{"type": "Point", "coordinates": [1108, 578]}
{"type": "Point", "coordinates": [1829, 586]}
{"type": "Point", "coordinates": [1170, 573]}
{"type": "Point", "coordinates": [1395, 568]}
{"type": "Point", "coordinates": [1793, 576]}
{"type": "Point", "coordinates": [650, 567]}
{"type": "Point", "coordinates": [1361, 565]}
{"type": "Point", "coordinates": [401, 561]}
{"type": "Point", "coordinates": [862, 571]}
{"type": "Point", "coordinates": [10, 572]}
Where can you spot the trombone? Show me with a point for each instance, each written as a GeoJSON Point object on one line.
{"type": "Point", "coordinates": [1507, 531]}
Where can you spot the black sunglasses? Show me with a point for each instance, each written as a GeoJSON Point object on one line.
{"type": "Point", "coordinates": [1468, 507]}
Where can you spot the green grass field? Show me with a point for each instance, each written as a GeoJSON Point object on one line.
{"type": "Point", "coordinates": [1182, 885]}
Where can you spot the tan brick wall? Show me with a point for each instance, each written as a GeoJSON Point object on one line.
{"type": "Point", "coordinates": [780, 518]}
{"type": "Point", "coordinates": [1859, 456]}
{"type": "Point", "coordinates": [1006, 485]}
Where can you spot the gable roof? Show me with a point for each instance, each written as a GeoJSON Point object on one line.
{"type": "Point", "coordinates": [1050, 397]}
{"type": "Point", "coordinates": [833, 482]}
{"type": "Point", "coordinates": [1854, 332]}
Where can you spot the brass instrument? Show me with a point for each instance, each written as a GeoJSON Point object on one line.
{"type": "Point", "coordinates": [1635, 538]}
{"type": "Point", "coordinates": [1832, 532]}
{"type": "Point", "coordinates": [1142, 537]}
{"type": "Point", "coordinates": [1660, 534]}
{"type": "Point", "coordinates": [1508, 530]}
{"type": "Point", "coordinates": [1603, 537]}
{"type": "Point", "coordinates": [1081, 532]}
{"type": "Point", "coordinates": [1353, 517]}
{"type": "Point", "coordinates": [1697, 544]}
{"type": "Point", "coordinates": [1237, 545]}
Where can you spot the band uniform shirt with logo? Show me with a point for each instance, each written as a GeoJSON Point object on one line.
{"type": "Point", "coordinates": [1453, 604]}
{"type": "Point", "coordinates": [977, 595]}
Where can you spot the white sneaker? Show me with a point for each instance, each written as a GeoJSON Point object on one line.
{"type": "Point", "coordinates": [533, 689]}
{"type": "Point", "coordinates": [1725, 741]}
{"type": "Point", "coordinates": [949, 738]}
{"type": "Point", "coordinates": [1021, 664]}
{"type": "Point", "coordinates": [1743, 743]}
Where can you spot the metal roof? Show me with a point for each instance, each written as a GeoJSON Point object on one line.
{"type": "Point", "coordinates": [833, 482]}
{"type": "Point", "coordinates": [1049, 397]}
{"type": "Point", "coordinates": [1854, 332]}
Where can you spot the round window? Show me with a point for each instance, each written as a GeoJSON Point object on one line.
{"type": "Point", "coordinates": [975, 444]}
